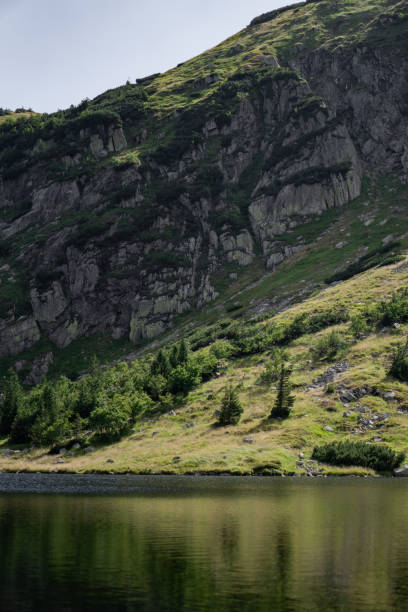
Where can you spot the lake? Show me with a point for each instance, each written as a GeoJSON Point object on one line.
{"type": "Point", "coordinates": [202, 543]}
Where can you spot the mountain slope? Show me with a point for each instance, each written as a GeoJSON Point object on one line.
{"type": "Point", "coordinates": [123, 214]}
{"type": "Point", "coordinates": [343, 396]}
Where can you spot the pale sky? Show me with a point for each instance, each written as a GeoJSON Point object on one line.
{"type": "Point", "coordinates": [56, 52]}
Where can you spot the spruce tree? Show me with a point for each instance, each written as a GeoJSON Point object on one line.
{"type": "Point", "coordinates": [231, 408]}
{"type": "Point", "coordinates": [174, 356]}
{"type": "Point", "coordinates": [183, 352]}
{"type": "Point", "coordinates": [284, 400]}
{"type": "Point", "coordinates": [12, 401]}
{"type": "Point", "coordinates": [160, 364]}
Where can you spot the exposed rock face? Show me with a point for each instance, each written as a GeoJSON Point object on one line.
{"type": "Point", "coordinates": [368, 89]}
{"type": "Point", "coordinates": [124, 250]}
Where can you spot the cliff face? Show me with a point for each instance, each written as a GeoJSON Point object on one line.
{"type": "Point", "coordinates": [125, 229]}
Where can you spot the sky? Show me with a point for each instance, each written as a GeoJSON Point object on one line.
{"type": "Point", "coordinates": [56, 52]}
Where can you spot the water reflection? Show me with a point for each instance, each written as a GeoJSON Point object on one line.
{"type": "Point", "coordinates": [280, 545]}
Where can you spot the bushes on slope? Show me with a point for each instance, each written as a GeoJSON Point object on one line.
{"type": "Point", "coordinates": [379, 458]}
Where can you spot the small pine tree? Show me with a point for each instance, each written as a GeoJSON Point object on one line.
{"type": "Point", "coordinates": [183, 352]}
{"type": "Point", "coordinates": [284, 400]}
{"type": "Point", "coordinates": [231, 408]}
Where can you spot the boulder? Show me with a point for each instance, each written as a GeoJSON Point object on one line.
{"type": "Point", "coordinates": [401, 471]}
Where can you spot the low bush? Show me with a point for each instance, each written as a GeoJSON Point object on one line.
{"type": "Point", "coordinates": [399, 362]}
{"type": "Point", "coordinates": [328, 346]}
{"type": "Point", "coordinates": [379, 458]}
{"type": "Point", "coordinates": [272, 368]}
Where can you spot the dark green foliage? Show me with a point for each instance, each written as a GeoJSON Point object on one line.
{"type": "Point", "coordinates": [174, 356]}
{"type": "Point", "coordinates": [383, 256]}
{"type": "Point", "coordinates": [211, 180]}
{"type": "Point", "coordinates": [183, 352]}
{"type": "Point", "coordinates": [168, 193]}
{"type": "Point", "coordinates": [379, 458]}
{"type": "Point", "coordinates": [25, 418]}
{"type": "Point", "coordinates": [231, 408]}
{"type": "Point", "coordinates": [284, 400]}
{"type": "Point", "coordinates": [184, 378]}
{"type": "Point", "coordinates": [52, 424]}
{"type": "Point", "coordinates": [5, 248]}
{"type": "Point", "coordinates": [394, 310]}
{"type": "Point", "coordinates": [12, 401]}
{"type": "Point", "coordinates": [399, 363]}
{"type": "Point", "coordinates": [161, 364]}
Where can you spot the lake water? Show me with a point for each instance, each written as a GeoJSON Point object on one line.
{"type": "Point", "coordinates": [196, 544]}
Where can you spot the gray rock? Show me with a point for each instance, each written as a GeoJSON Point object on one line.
{"type": "Point", "coordinates": [248, 440]}
{"type": "Point", "coordinates": [401, 471]}
{"type": "Point", "coordinates": [329, 429]}
{"type": "Point", "coordinates": [110, 461]}
{"type": "Point", "coordinates": [89, 449]}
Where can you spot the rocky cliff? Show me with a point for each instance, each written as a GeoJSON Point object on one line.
{"type": "Point", "coordinates": [117, 216]}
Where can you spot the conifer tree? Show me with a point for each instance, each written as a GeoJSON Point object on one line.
{"type": "Point", "coordinates": [174, 356]}
{"type": "Point", "coordinates": [12, 400]}
{"type": "Point", "coordinates": [160, 364]}
{"type": "Point", "coordinates": [231, 408]}
{"type": "Point", "coordinates": [183, 352]}
{"type": "Point", "coordinates": [284, 400]}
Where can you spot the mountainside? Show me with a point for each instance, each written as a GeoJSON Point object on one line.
{"type": "Point", "coordinates": [121, 214]}
{"type": "Point", "coordinates": [212, 203]}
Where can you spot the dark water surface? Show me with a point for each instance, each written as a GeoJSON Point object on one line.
{"type": "Point", "coordinates": [202, 543]}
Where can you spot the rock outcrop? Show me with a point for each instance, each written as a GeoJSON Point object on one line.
{"type": "Point", "coordinates": [125, 247]}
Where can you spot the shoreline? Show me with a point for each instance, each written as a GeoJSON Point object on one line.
{"type": "Point", "coordinates": [198, 473]}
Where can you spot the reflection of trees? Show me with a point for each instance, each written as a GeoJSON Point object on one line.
{"type": "Point", "coordinates": [288, 546]}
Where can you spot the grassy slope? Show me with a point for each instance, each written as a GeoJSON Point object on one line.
{"type": "Point", "coordinates": [204, 447]}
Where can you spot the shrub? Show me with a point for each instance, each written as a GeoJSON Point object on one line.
{"type": "Point", "coordinates": [231, 408]}
{"type": "Point", "coordinates": [284, 400]}
{"type": "Point", "coordinates": [379, 458]}
{"type": "Point", "coordinates": [184, 378]}
{"type": "Point", "coordinates": [358, 325]}
{"type": "Point", "coordinates": [329, 345]}
{"type": "Point", "coordinates": [399, 362]}
{"type": "Point", "coordinates": [222, 349]}
{"type": "Point", "coordinates": [111, 417]}
{"type": "Point", "coordinates": [394, 310]}
{"type": "Point", "coordinates": [273, 367]}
